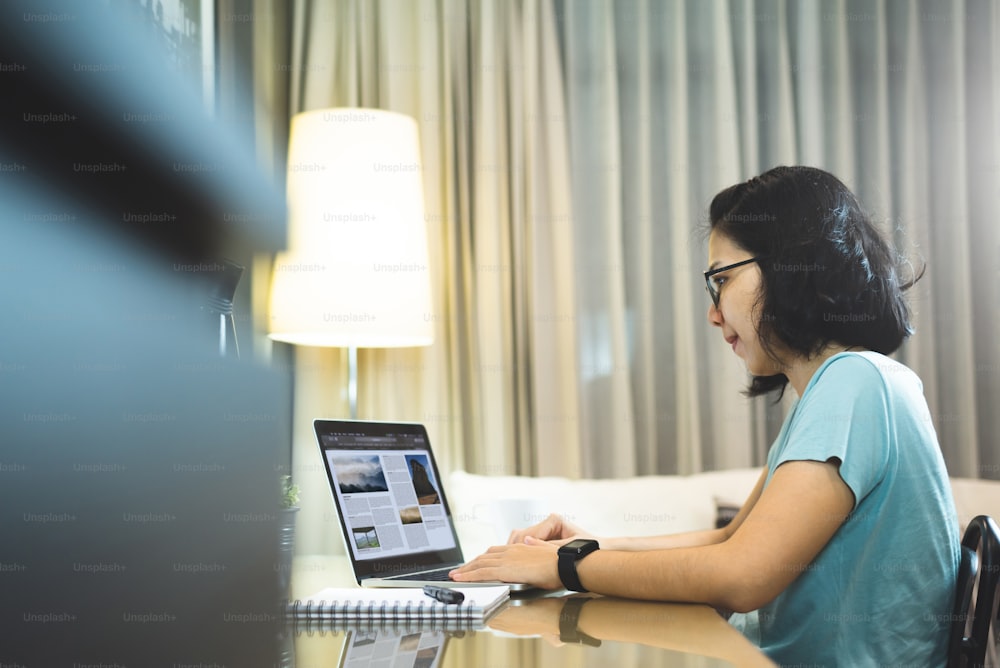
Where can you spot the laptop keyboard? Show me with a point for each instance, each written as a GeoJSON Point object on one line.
{"type": "Point", "coordinates": [440, 575]}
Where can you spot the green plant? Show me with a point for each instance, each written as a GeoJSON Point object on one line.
{"type": "Point", "coordinates": [289, 492]}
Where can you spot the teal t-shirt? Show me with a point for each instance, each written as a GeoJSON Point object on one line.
{"type": "Point", "coordinates": [880, 593]}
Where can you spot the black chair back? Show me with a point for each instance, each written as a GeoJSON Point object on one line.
{"type": "Point", "coordinates": [976, 595]}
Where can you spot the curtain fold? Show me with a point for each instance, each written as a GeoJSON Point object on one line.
{"type": "Point", "coordinates": [595, 148]}
{"type": "Point", "coordinates": [570, 151]}
{"type": "Point", "coordinates": [982, 136]}
{"type": "Point", "coordinates": [949, 226]}
{"type": "Point", "coordinates": [547, 223]}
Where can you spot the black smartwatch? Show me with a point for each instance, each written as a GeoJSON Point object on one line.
{"type": "Point", "coordinates": [569, 554]}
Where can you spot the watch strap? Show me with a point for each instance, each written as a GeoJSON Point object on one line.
{"type": "Point", "coordinates": [567, 572]}
{"type": "Point", "coordinates": [567, 560]}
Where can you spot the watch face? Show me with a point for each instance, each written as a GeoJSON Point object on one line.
{"type": "Point", "coordinates": [579, 545]}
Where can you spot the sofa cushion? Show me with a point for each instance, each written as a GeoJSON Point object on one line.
{"type": "Point", "coordinates": [639, 506]}
{"type": "Point", "coordinates": [975, 497]}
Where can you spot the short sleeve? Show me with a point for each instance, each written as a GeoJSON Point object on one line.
{"type": "Point", "coordinates": [843, 414]}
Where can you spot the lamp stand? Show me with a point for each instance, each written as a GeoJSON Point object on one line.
{"type": "Point", "coordinates": [352, 381]}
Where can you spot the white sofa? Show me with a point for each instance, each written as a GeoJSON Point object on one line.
{"type": "Point", "coordinates": [486, 508]}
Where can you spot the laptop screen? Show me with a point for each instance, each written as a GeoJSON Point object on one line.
{"type": "Point", "coordinates": [388, 495]}
{"type": "Point", "coordinates": [423, 649]}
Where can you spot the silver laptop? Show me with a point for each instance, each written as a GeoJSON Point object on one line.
{"type": "Point", "coordinates": [394, 517]}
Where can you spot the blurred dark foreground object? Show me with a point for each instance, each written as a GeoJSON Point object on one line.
{"type": "Point", "coordinates": [139, 471]}
{"type": "Point", "coordinates": [93, 110]}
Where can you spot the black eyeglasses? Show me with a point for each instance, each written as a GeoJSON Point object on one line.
{"type": "Point", "coordinates": [713, 291]}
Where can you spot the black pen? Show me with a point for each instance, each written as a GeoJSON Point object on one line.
{"type": "Point", "coordinates": [444, 594]}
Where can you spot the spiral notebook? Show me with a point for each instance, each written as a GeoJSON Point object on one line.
{"type": "Point", "coordinates": [341, 604]}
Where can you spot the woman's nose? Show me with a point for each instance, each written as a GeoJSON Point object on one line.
{"type": "Point", "coordinates": [715, 315]}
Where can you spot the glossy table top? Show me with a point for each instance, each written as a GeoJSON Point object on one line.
{"type": "Point", "coordinates": [525, 632]}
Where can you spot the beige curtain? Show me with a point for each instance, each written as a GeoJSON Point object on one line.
{"type": "Point", "coordinates": [570, 151]}
{"type": "Point", "coordinates": [652, 88]}
{"type": "Point", "coordinates": [671, 101]}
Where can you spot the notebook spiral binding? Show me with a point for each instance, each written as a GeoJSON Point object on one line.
{"type": "Point", "coordinates": [311, 616]}
{"type": "Point", "coordinates": [322, 627]}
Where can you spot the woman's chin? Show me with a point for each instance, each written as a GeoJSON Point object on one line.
{"type": "Point", "coordinates": [756, 368]}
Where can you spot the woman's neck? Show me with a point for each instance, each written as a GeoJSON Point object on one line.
{"type": "Point", "coordinates": [800, 372]}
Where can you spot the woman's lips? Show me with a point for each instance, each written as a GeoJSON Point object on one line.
{"type": "Point", "coordinates": [732, 340]}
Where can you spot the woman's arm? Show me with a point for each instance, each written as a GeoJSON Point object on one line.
{"type": "Point", "coordinates": [791, 521]}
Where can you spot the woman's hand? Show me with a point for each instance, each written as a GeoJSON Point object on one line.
{"type": "Point", "coordinates": [532, 561]}
{"type": "Point", "coordinates": [539, 617]}
{"type": "Point", "coordinates": [554, 528]}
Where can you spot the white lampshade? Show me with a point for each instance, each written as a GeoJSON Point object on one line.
{"type": "Point", "coordinates": [356, 270]}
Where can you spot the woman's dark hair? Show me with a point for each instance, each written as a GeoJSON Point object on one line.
{"type": "Point", "coordinates": [827, 275]}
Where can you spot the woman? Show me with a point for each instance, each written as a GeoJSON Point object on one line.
{"type": "Point", "coordinates": [846, 551]}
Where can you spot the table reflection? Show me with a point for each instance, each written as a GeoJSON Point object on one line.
{"type": "Point", "coordinates": [543, 631]}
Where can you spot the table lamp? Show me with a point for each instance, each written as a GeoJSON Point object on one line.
{"type": "Point", "coordinates": [355, 274]}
